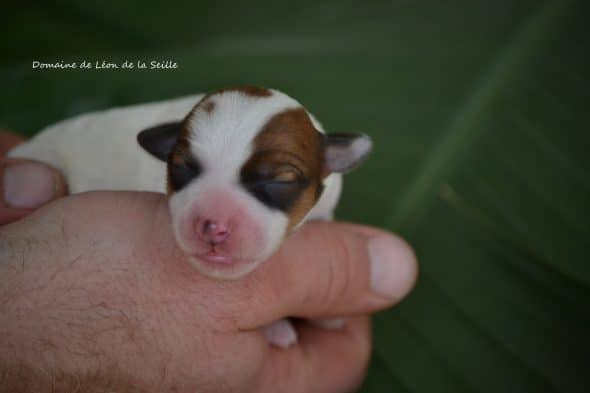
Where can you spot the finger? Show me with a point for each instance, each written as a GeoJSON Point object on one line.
{"type": "Point", "coordinates": [26, 185]}
{"type": "Point", "coordinates": [8, 140]}
{"type": "Point", "coordinates": [323, 361]}
{"type": "Point", "coordinates": [327, 270]}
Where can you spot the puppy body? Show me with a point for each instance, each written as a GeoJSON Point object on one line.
{"type": "Point", "coordinates": [99, 151]}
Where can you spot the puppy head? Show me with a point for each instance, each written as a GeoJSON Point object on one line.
{"type": "Point", "coordinates": [245, 166]}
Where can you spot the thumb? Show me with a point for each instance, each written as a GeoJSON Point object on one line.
{"type": "Point", "coordinates": [26, 185]}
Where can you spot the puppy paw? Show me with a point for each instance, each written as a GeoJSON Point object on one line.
{"type": "Point", "coordinates": [281, 333]}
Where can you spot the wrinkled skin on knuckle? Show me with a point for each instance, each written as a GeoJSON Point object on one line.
{"type": "Point", "coordinates": [338, 272]}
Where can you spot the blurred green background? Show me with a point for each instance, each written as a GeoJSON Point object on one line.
{"type": "Point", "coordinates": [480, 114]}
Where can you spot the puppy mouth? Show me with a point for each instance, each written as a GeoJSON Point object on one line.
{"type": "Point", "coordinates": [219, 260]}
{"type": "Point", "coordinates": [215, 264]}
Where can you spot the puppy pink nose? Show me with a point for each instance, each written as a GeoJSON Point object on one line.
{"type": "Point", "coordinates": [211, 231]}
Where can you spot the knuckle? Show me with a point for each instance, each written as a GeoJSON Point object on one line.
{"type": "Point", "coordinates": [339, 272]}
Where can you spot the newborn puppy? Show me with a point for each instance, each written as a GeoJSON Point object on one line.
{"type": "Point", "coordinates": [245, 167]}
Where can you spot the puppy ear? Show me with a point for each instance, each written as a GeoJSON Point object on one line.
{"type": "Point", "coordinates": [159, 140]}
{"type": "Point", "coordinates": [344, 152]}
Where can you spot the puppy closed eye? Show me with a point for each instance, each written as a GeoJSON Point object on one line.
{"type": "Point", "coordinates": [276, 193]}
{"type": "Point", "coordinates": [285, 177]}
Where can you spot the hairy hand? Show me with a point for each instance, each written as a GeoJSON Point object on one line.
{"type": "Point", "coordinates": [94, 293]}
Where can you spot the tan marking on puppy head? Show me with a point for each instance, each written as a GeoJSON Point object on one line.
{"type": "Point", "coordinates": [289, 148]}
{"type": "Point", "coordinates": [252, 91]}
{"type": "Point", "coordinates": [209, 106]}
{"type": "Point", "coordinates": [179, 157]}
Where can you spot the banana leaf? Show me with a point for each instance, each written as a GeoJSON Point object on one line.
{"type": "Point", "coordinates": [480, 114]}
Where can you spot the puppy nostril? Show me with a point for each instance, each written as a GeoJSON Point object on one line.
{"type": "Point", "coordinates": [212, 232]}
{"type": "Point", "coordinates": [221, 234]}
{"type": "Point", "coordinates": [209, 227]}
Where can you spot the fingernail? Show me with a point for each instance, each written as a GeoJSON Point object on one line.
{"type": "Point", "coordinates": [393, 267]}
{"type": "Point", "coordinates": [28, 185]}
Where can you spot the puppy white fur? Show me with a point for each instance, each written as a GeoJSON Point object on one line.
{"type": "Point", "coordinates": [99, 150]}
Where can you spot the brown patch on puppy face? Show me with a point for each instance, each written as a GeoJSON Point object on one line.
{"type": "Point", "coordinates": [286, 168]}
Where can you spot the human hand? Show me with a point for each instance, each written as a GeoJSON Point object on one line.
{"type": "Point", "coordinates": [95, 294]}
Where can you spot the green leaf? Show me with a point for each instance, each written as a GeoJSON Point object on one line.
{"type": "Point", "coordinates": [480, 115]}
